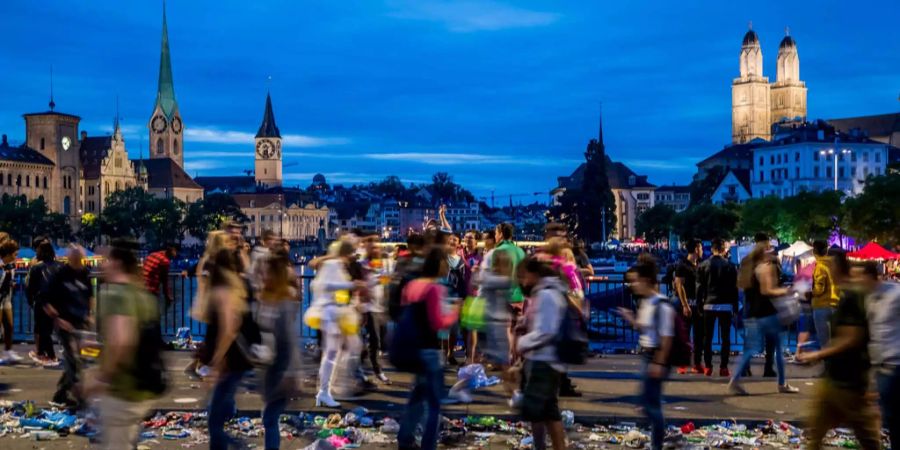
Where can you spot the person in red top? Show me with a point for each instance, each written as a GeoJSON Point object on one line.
{"type": "Point", "coordinates": [156, 271]}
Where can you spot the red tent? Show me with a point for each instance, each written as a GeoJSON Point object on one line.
{"type": "Point", "coordinates": [873, 251]}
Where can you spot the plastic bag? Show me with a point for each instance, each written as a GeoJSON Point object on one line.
{"type": "Point", "coordinates": [476, 376]}
{"type": "Point", "coordinates": [472, 313]}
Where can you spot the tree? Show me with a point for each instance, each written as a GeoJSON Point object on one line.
{"type": "Point", "coordinates": [596, 196]}
{"type": "Point", "coordinates": [24, 220]}
{"type": "Point", "coordinates": [90, 228]}
{"type": "Point", "coordinates": [445, 190]}
{"type": "Point", "coordinates": [706, 221]}
{"type": "Point", "coordinates": [875, 214]}
{"type": "Point", "coordinates": [703, 189]}
{"type": "Point", "coordinates": [165, 221]}
{"type": "Point", "coordinates": [565, 210]}
{"type": "Point", "coordinates": [656, 223]}
{"type": "Point", "coordinates": [810, 215]}
{"type": "Point", "coordinates": [126, 213]}
{"type": "Point", "coordinates": [760, 215]}
{"type": "Point", "coordinates": [210, 213]}
{"type": "Point", "coordinates": [390, 187]}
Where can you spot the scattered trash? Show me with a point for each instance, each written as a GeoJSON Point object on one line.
{"type": "Point", "coordinates": [568, 419]}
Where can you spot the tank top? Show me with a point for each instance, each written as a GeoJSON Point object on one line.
{"type": "Point", "coordinates": [757, 304]}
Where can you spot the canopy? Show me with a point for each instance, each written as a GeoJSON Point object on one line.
{"type": "Point", "coordinates": [796, 250]}
{"type": "Point", "coordinates": [873, 251]}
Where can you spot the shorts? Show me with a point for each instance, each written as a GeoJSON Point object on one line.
{"type": "Point", "coordinates": [540, 402]}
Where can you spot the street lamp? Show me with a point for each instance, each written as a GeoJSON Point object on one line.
{"type": "Point", "coordinates": [834, 153]}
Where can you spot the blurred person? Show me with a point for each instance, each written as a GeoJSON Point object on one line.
{"type": "Point", "coordinates": [331, 290]}
{"type": "Point", "coordinates": [457, 290]}
{"type": "Point", "coordinates": [277, 309]}
{"type": "Point", "coordinates": [125, 308]}
{"type": "Point", "coordinates": [825, 294]}
{"type": "Point", "coordinates": [806, 327]}
{"type": "Point", "coordinates": [376, 276]}
{"type": "Point", "coordinates": [758, 277]}
{"type": "Point", "coordinates": [227, 304]}
{"type": "Point", "coordinates": [472, 257]}
{"type": "Point", "coordinates": [685, 284]}
{"type": "Point", "coordinates": [69, 303]}
{"type": "Point", "coordinates": [655, 319]}
{"type": "Point", "coordinates": [156, 272]}
{"type": "Point", "coordinates": [493, 286]}
{"type": "Point", "coordinates": [9, 249]}
{"type": "Point", "coordinates": [717, 292]}
{"type": "Point", "coordinates": [542, 374]}
{"type": "Point", "coordinates": [267, 241]}
{"type": "Point", "coordinates": [426, 295]}
{"type": "Point", "coordinates": [581, 258]}
{"type": "Point", "coordinates": [36, 287]}
{"type": "Point", "coordinates": [882, 310]}
{"type": "Point", "coordinates": [842, 397]}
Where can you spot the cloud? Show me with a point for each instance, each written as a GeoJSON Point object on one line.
{"type": "Point", "coordinates": [216, 136]}
{"type": "Point", "coordinates": [466, 16]}
{"type": "Point", "coordinates": [450, 159]}
{"type": "Point", "coordinates": [203, 164]}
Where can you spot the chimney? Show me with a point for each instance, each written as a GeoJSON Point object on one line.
{"type": "Point", "coordinates": [83, 135]}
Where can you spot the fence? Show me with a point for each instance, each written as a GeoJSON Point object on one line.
{"type": "Point", "coordinates": [604, 294]}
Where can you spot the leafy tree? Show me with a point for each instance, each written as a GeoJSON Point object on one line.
{"type": "Point", "coordinates": [165, 221]}
{"type": "Point", "coordinates": [24, 220]}
{"type": "Point", "coordinates": [874, 214]}
{"type": "Point", "coordinates": [565, 210]}
{"type": "Point", "coordinates": [54, 226]}
{"type": "Point", "coordinates": [596, 196]}
{"type": "Point", "coordinates": [210, 213]}
{"type": "Point", "coordinates": [656, 223]}
{"type": "Point", "coordinates": [90, 228]}
{"type": "Point", "coordinates": [706, 221]}
{"type": "Point", "coordinates": [390, 187]}
{"type": "Point", "coordinates": [809, 215]}
{"type": "Point", "coordinates": [444, 189]}
{"type": "Point", "coordinates": [760, 215]}
{"type": "Point", "coordinates": [126, 213]}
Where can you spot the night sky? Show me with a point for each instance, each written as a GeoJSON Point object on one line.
{"type": "Point", "coordinates": [503, 95]}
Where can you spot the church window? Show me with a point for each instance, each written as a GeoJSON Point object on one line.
{"type": "Point", "coordinates": [45, 182]}
{"type": "Point", "coordinates": [42, 143]}
{"type": "Point", "coordinates": [9, 179]}
{"type": "Point", "coordinates": [118, 186]}
{"type": "Point", "coordinates": [159, 146]}
{"type": "Point", "coordinates": [106, 187]}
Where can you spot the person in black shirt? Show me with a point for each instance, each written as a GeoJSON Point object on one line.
{"type": "Point", "coordinates": [36, 287]}
{"type": "Point", "coordinates": [686, 289]}
{"type": "Point", "coordinates": [717, 292]}
{"type": "Point", "coordinates": [69, 304]}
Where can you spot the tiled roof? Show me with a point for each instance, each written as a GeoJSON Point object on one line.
{"type": "Point", "coordinates": [876, 125]}
{"type": "Point", "coordinates": [22, 154]}
{"type": "Point", "coordinates": [618, 174]}
{"type": "Point", "coordinates": [166, 173]}
{"type": "Point", "coordinates": [678, 189]}
{"type": "Point", "coordinates": [734, 152]}
{"type": "Point", "coordinates": [92, 151]}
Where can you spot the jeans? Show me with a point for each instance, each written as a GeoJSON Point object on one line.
{"type": "Point", "coordinates": [888, 380]}
{"type": "Point", "coordinates": [697, 331]}
{"type": "Point", "coordinates": [651, 401]}
{"type": "Point", "coordinates": [221, 408]}
{"type": "Point", "coordinates": [275, 392]}
{"type": "Point", "coordinates": [709, 321]}
{"type": "Point", "coordinates": [65, 388]}
{"type": "Point", "coordinates": [757, 330]}
{"type": "Point", "coordinates": [428, 390]}
{"type": "Point", "coordinates": [822, 320]}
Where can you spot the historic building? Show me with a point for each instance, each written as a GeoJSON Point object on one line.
{"type": "Point", "coordinates": [678, 197]}
{"type": "Point", "coordinates": [757, 104]}
{"type": "Point", "coordinates": [734, 188]}
{"type": "Point", "coordinates": [883, 128]}
{"type": "Point", "coordinates": [105, 169]}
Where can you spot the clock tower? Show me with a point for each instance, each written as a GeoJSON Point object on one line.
{"type": "Point", "coordinates": [268, 150]}
{"type": "Point", "coordinates": [166, 130]}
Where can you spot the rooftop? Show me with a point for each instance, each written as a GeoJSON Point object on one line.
{"type": "Point", "coordinates": [22, 154]}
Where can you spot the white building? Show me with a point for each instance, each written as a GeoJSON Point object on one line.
{"type": "Point", "coordinates": [734, 188]}
{"type": "Point", "coordinates": [805, 160]}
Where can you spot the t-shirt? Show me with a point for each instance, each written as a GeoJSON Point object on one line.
{"type": "Point", "coordinates": [156, 269]}
{"type": "Point", "coordinates": [127, 300]}
{"type": "Point", "coordinates": [70, 294]}
{"type": "Point", "coordinates": [850, 368]}
{"type": "Point", "coordinates": [687, 271]}
{"type": "Point", "coordinates": [653, 324]}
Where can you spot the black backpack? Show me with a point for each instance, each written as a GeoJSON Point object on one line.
{"type": "Point", "coordinates": [403, 351]}
{"type": "Point", "coordinates": [149, 370]}
{"type": "Point", "coordinates": [395, 290]}
{"type": "Point", "coordinates": [572, 343]}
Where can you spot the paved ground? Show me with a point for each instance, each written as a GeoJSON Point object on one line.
{"type": "Point", "coordinates": [609, 384]}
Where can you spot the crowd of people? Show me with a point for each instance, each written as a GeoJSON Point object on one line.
{"type": "Point", "coordinates": [449, 299]}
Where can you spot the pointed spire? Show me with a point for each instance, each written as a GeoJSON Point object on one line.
{"type": "Point", "coordinates": [117, 131]}
{"type": "Point", "coordinates": [750, 25]}
{"type": "Point", "coordinates": [268, 128]}
{"type": "Point", "coordinates": [165, 94]}
{"type": "Point", "coordinates": [52, 103]}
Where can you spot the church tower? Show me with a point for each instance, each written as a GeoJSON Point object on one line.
{"type": "Point", "coordinates": [788, 92]}
{"type": "Point", "coordinates": [750, 113]}
{"type": "Point", "coordinates": [268, 150]}
{"type": "Point", "coordinates": [165, 126]}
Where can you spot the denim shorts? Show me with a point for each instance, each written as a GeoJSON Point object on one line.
{"type": "Point", "coordinates": [540, 402]}
{"type": "Point", "coordinates": [805, 322]}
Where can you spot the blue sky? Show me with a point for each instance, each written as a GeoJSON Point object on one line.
{"type": "Point", "coordinates": [502, 94]}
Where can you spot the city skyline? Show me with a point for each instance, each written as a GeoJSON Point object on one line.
{"type": "Point", "coordinates": [457, 96]}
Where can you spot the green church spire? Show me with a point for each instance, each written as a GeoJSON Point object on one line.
{"type": "Point", "coordinates": [165, 94]}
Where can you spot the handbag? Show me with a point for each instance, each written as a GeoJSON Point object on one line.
{"type": "Point", "coordinates": [787, 308]}
{"type": "Point", "coordinates": [472, 313]}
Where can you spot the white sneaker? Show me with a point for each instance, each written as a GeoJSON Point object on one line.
{"type": "Point", "coordinates": [12, 356]}
{"type": "Point", "coordinates": [325, 399]}
{"type": "Point", "coordinates": [383, 378]}
{"type": "Point", "coordinates": [787, 389]}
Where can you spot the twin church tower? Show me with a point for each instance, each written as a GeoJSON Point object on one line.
{"type": "Point", "coordinates": [757, 104]}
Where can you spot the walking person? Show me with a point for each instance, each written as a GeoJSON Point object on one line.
{"type": "Point", "coordinates": [156, 272]}
{"type": "Point", "coordinates": [472, 257]}
{"type": "Point", "coordinates": [69, 303]}
{"type": "Point", "coordinates": [456, 291]}
{"type": "Point", "coordinates": [275, 314]}
{"type": "Point", "coordinates": [126, 307]}
{"type": "Point", "coordinates": [8, 251]}
{"type": "Point", "coordinates": [543, 372]}
{"type": "Point", "coordinates": [842, 396]}
{"type": "Point", "coordinates": [686, 291]}
{"type": "Point", "coordinates": [717, 292]}
{"type": "Point", "coordinates": [655, 319]}
{"type": "Point", "coordinates": [373, 305]}
{"type": "Point", "coordinates": [426, 295]}
{"type": "Point", "coordinates": [882, 310]}
{"type": "Point", "coordinates": [227, 305]}
{"type": "Point", "coordinates": [824, 293]}
{"type": "Point", "coordinates": [36, 287]}
{"type": "Point", "coordinates": [759, 278]}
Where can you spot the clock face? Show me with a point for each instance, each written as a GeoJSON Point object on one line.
{"type": "Point", "coordinates": [66, 142]}
{"type": "Point", "coordinates": [265, 149]}
{"type": "Point", "coordinates": [177, 125]}
{"type": "Point", "coordinates": [158, 124]}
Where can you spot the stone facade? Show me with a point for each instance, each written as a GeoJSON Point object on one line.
{"type": "Point", "coordinates": [293, 221]}
{"type": "Point", "coordinates": [105, 169]}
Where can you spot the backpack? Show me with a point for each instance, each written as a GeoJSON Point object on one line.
{"type": "Point", "coordinates": [149, 370]}
{"type": "Point", "coordinates": [680, 352]}
{"type": "Point", "coordinates": [572, 343]}
{"type": "Point", "coordinates": [395, 289]}
{"type": "Point", "coordinates": [403, 351]}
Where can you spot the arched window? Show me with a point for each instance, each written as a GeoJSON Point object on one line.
{"type": "Point", "coordinates": [159, 147]}
{"type": "Point", "coordinates": [118, 187]}
{"type": "Point", "coordinates": [27, 181]}
{"type": "Point", "coordinates": [45, 182]}
{"type": "Point", "coordinates": [175, 146]}
{"type": "Point", "coordinates": [9, 179]}
{"type": "Point", "coordinates": [1, 179]}
{"type": "Point", "coordinates": [106, 187]}
{"type": "Point", "coordinates": [42, 143]}
{"type": "Point", "coordinates": [67, 205]}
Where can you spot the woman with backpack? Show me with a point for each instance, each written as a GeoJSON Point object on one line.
{"type": "Point", "coordinates": [122, 380]}
{"type": "Point", "coordinates": [424, 299]}
{"type": "Point", "coordinates": [758, 277]}
{"type": "Point", "coordinates": [275, 315]}
{"type": "Point", "coordinates": [655, 320]}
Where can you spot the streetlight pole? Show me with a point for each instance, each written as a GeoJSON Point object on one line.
{"type": "Point", "coordinates": [834, 153]}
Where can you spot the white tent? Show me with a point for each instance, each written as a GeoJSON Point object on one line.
{"type": "Point", "coordinates": [797, 250]}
